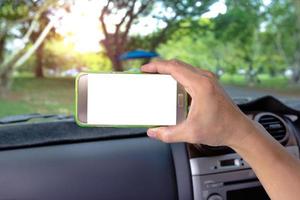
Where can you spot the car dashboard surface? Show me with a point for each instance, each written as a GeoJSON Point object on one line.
{"type": "Point", "coordinates": [59, 160]}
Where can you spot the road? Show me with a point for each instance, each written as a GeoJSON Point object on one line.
{"type": "Point", "coordinates": [237, 92]}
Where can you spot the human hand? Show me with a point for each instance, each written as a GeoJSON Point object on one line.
{"type": "Point", "coordinates": [213, 118]}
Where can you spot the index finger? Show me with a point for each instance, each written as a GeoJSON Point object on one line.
{"type": "Point", "coordinates": [180, 71]}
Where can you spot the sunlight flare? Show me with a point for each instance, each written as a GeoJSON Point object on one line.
{"type": "Point", "coordinates": [81, 26]}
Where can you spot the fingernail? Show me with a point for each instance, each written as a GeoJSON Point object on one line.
{"type": "Point", "coordinates": [152, 132]}
{"type": "Point", "coordinates": [143, 67]}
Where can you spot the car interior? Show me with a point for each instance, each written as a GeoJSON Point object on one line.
{"type": "Point", "coordinates": [250, 48]}
{"type": "Point", "coordinates": [60, 160]}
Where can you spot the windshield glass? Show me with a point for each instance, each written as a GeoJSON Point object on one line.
{"type": "Point", "coordinates": [253, 46]}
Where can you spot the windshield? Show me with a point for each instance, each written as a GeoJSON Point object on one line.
{"type": "Point", "coordinates": [253, 46]}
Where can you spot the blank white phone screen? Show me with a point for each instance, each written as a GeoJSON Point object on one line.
{"type": "Point", "coordinates": [131, 99]}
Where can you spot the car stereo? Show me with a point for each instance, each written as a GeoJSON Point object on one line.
{"type": "Point", "coordinates": [227, 177]}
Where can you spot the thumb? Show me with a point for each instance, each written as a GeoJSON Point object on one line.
{"type": "Point", "coordinates": [168, 134]}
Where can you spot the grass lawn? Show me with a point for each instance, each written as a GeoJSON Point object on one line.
{"type": "Point", "coordinates": [279, 84]}
{"type": "Point", "coordinates": [30, 95]}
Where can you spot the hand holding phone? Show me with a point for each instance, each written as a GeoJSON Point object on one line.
{"type": "Point", "coordinates": [129, 100]}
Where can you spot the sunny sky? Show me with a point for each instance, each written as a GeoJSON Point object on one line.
{"type": "Point", "coordinates": [82, 28]}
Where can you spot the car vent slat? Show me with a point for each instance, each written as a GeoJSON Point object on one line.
{"type": "Point", "coordinates": [278, 137]}
{"type": "Point", "coordinates": [268, 123]}
{"type": "Point", "coordinates": [276, 132]}
{"type": "Point", "coordinates": [274, 126]}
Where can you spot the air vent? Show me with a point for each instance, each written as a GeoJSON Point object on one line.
{"type": "Point", "coordinates": [274, 125]}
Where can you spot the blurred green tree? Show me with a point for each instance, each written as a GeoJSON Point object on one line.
{"type": "Point", "coordinates": [283, 34]}
{"type": "Point", "coordinates": [18, 20]}
{"type": "Point", "coordinates": [296, 76]}
{"type": "Point", "coordinates": [116, 41]}
{"type": "Point", "coordinates": [42, 23]}
{"type": "Point", "coordinates": [240, 25]}
{"type": "Point", "coordinates": [196, 48]}
{"type": "Point", "coordinates": [60, 56]}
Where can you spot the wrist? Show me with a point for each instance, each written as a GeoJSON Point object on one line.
{"type": "Point", "coordinates": [247, 133]}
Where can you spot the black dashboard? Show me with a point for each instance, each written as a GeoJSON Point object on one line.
{"type": "Point", "coordinates": [59, 160]}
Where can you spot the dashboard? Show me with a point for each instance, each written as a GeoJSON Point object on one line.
{"type": "Point", "coordinates": [59, 160]}
{"type": "Point", "coordinates": [221, 174]}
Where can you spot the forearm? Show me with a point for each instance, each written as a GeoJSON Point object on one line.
{"type": "Point", "coordinates": [277, 170]}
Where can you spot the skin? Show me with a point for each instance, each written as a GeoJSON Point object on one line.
{"type": "Point", "coordinates": [277, 170]}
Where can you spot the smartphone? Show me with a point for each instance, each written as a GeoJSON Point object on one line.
{"type": "Point", "coordinates": [129, 100]}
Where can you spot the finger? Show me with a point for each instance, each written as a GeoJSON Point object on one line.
{"type": "Point", "coordinates": [208, 73]}
{"type": "Point", "coordinates": [183, 73]}
{"type": "Point", "coordinates": [154, 69]}
{"type": "Point", "coordinates": [160, 66]}
{"type": "Point", "coordinates": [169, 134]}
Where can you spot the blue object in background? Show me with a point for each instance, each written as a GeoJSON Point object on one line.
{"type": "Point", "coordinates": [138, 54]}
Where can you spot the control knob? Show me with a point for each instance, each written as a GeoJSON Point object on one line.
{"type": "Point", "coordinates": [215, 197]}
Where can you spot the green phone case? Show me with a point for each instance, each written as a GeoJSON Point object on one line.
{"type": "Point", "coordinates": [115, 126]}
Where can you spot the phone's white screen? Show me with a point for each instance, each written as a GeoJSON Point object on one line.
{"type": "Point", "coordinates": [131, 99]}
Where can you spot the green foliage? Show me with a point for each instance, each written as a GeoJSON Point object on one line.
{"type": "Point", "coordinates": [189, 50]}
{"type": "Point", "coordinates": [57, 54]}
{"type": "Point", "coordinates": [61, 55]}
{"type": "Point", "coordinates": [189, 8]}
{"type": "Point", "coordinates": [249, 35]}
{"type": "Point", "coordinates": [96, 62]}
{"type": "Point", "coordinates": [240, 25]}
{"type": "Point", "coordinates": [176, 15]}
{"type": "Point", "coordinates": [240, 22]}
{"type": "Point", "coordinates": [141, 42]}
{"type": "Point", "coordinates": [259, 38]}
{"type": "Point", "coordinates": [201, 48]}
{"type": "Point", "coordinates": [281, 30]}
{"type": "Point", "coordinates": [13, 10]}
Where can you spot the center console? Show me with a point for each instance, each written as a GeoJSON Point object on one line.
{"type": "Point", "coordinates": [227, 177]}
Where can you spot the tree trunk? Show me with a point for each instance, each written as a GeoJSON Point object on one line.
{"type": "Point", "coordinates": [7, 68]}
{"type": "Point", "coordinates": [296, 74]}
{"type": "Point", "coordinates": [113, 52]}
{"type": "Point", "coordinates": [250, 75]}
{"type": "Point", "coordinates": [117, 64]}
{"type": "Point", "coordinates": [2, 47]}
{"type": "Point", "coordinates": [5, 82]}
{"type": "Point", "coordinates": [39, 61]}
{"type": "Point", "coordinates": [296, 68]}
{"type": "Point", "coordinates": [6, 71]}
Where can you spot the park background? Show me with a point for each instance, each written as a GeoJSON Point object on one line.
{"type": "Point", "coordinates": [45, 43]}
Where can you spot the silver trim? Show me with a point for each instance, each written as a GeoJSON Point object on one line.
{"type": "Point", "coordinates": [82, 85]}
{"type": "Point", "coordinates": [207, 180]}
{"type": "Point", "coordinates": [292, 117]}
{"type": "Point", "coordinates": [211, 165]}
{"type": "Point", "coordinates": [259, 115]}
{"type": "Point", "coordinates": [181, 104]}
